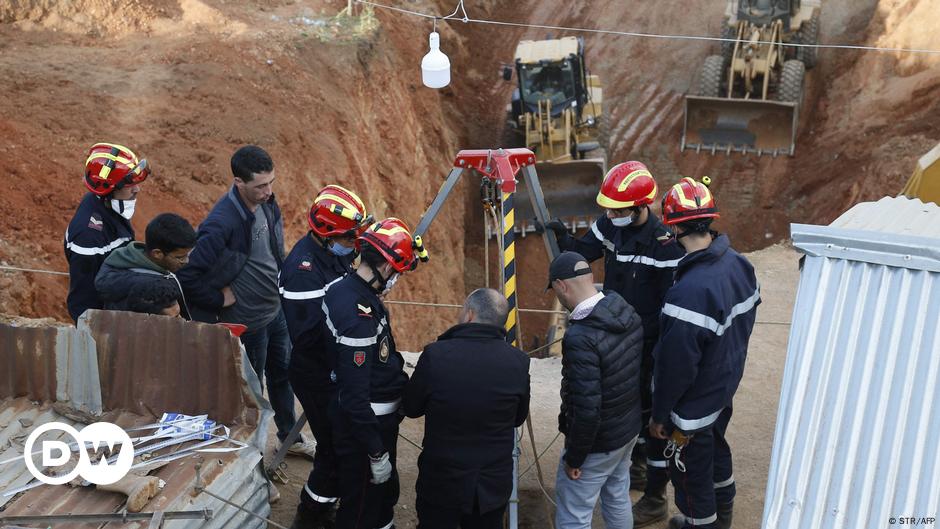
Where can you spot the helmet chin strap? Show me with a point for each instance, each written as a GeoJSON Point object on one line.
{"type": "Point", "coordinates": [378, 282]}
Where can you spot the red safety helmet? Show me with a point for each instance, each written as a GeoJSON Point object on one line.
{"type": "Point", "coordinates": [392, 238]}
{"type": "Point", "coordinates": [338, 212]}
{"type": "Point", "coordinates": [627, 185]}
{"type": "Point", "coordinates": [110, 166]}
{"type": "Point", "coordinates": [689, 200]}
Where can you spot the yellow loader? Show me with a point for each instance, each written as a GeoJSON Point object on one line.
{"type": "Point", "coordinates": [749, 96]}
{"type": "Point", "coordinates": [556, 111]}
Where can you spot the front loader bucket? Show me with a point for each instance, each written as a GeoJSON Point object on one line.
{"type": "Point", "coordinates": [570, 190]}
{"type": "Point", "coordinates": [720, 124]}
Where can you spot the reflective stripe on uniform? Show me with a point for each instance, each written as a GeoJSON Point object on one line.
{"type": "Point", "coordinates": [648, 261]}
{"type": "Point", "coordinates": [81, 250]}
{"type": "Point", "coordinates": [600, 236]}
{"type": "Point", "coordinates": [725, 483]}
{"type": "Point", "coordinates": [307, 294]}
{"type": "Point", "coordinates": [689, 425]}
{"type": "Point", "coordinates": [655, 463]}
{"type": "Point", "coordinates": [702, 521]}
{"type": "Point", "coordinates": [353, 342]}
{"type": "Point", "coordinates": [389, 525]}
{"type": "Point", "coordinates": [318, 499]}
{"type": "Point", "coordinates": [385, 408]}
{"type": "Point", "coordinates": [707, 322]}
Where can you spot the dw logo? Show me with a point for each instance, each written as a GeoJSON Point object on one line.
{"type": "Point", "coordinates": [58, 453]}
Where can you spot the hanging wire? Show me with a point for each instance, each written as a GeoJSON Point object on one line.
{"type": "Point", "coordinates": [5, 268]}
{"type": "Point", "coordinates": [467, 19]}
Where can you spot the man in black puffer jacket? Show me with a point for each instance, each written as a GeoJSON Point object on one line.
{"type": "Point", "coordinates": [600, 398]}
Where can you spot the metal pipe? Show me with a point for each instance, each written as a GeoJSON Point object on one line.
{"type": "Point", "coordinates": [205, 514]}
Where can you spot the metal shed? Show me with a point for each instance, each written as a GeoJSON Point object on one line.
{"type": "Point", "coordinates": [859, 415]}
{"type": "Point", "coordinates": [127, 368]}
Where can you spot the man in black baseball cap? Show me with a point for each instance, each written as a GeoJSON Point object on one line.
{"type": "Point", "coordinates": [600, 408]}
{"type": "Point", "coordinates": [566, 266]}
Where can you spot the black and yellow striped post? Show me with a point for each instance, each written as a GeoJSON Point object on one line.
{"type": "Point", "coordinates": [509, 267]}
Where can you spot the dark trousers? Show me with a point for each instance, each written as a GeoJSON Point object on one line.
{"type": "Point", "coordinates": [363, 504]}
{"type": "Point", "coordinates": [648, 447]}
{"type": "Point", "coordinates": [708, 479]}
{"type": "Point", "coordinates": [438, 517]}
{"type": "Point", "coordinates": [321, 490]}
{"type": "Point", "coordinates": [269, 353]}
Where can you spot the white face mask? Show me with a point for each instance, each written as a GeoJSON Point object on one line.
{"type": "Point", "coordinates": [124, 208]}
{"type": "Point", "coordinates": [622, 222]}
{"type": "Point", "coordinates": [390, 283]}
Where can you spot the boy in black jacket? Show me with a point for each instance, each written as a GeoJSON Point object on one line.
{"type": "Point", "coordinates": [170, 239]}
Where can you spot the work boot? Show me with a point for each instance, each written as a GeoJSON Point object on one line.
{"type": "Point", "coordinates": [677, 522]}
{"type": "Point", "coordinates": [303, 448]}
{"type": "Point", "coordinates": [725, 513]}
{"type": "Point", "coordinates": [307, 518]}
{"type": "Point", "coordinates": [638, 476]}
{"type": "Point", "coordinates": [651, 508]}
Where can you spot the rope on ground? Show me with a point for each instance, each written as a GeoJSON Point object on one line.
{"type": "Point", "coordinates": [546, 346]}
{"type": "Point", "coordinates": [409, 441]}
{"type": "Point", "coordinates": [539, 455]}
{"type": "Point", "coordinates": [541, 480]}
{"type": "Point", "coordinates": [662, 36]}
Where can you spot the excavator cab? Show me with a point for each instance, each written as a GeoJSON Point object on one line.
{"type": "Point", "coordinates": [765, 12]}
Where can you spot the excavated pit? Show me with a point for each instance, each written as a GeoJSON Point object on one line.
{"type": "Point", "coordinates": [185, 82]}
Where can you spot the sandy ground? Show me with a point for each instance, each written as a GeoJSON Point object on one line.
{"type": "Point", "coordinates": [750, 433]}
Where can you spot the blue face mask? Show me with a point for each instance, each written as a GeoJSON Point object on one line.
{"type": "Point", "coordinates": [622, 222]}
{"type": "Point", "coordinates": [339, 249]}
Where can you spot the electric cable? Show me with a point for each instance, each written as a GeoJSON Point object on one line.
{"type": "Point", "coordinates": [637, 34]}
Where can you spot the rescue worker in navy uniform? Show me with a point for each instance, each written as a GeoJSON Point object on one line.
{"type": "Point", "coordinates": [101, 224]}
{"type": "Point", "coordinates": [707, 321]}
{"type": "Point", "coordinates": [640, 257]}
{"type": "Point", "coordinates": [320, 258]}
{"type": "Point", "coordinates": [369, 377]}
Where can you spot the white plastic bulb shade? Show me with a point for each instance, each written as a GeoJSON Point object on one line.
{"type": "Point", "coordinates": [435, 67]}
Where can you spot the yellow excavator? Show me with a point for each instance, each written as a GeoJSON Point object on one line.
{"type": "Point", "coordinates": [557, 112]}
{"type": "Point", "coordinates": [925, 181]}
{"type": "Point", "coordinates": [749, 96]}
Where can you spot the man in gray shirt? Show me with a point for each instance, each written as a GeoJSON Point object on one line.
{"type": "Point", "coordinates": [232, 277]}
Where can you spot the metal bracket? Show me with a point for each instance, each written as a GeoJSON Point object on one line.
{"type": "Point", "coordinates": [499, 167]}
{"type": "Point", "coordinates": [273, 469]}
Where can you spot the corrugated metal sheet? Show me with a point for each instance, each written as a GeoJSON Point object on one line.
{"type": "Point", "coordinates": [894, 215]}
{"type": "Point", "coordinates": [147, 365]}
{"type": "Point", "coordinates": [855, 442]}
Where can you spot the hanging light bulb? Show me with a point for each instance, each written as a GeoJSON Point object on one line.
{"type": "Point", "coordinates": [435, 67]}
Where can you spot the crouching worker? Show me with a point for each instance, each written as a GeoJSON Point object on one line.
{"type": "Point", "coordinates": [600, 398]}
{"type": "Point", "coordinates": [160, 297]}
{"type": "Point", "coordinates": [369, 376]}
{"type": "Point", "coordinates": [473, 389]}
{"type": "Point", "coordinates": [169, 240]}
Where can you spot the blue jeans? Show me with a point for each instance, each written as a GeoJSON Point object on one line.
{"type": "Point", "coordinates": [605, 475]}
{"type": "Point", "coordinates": [268, 351]}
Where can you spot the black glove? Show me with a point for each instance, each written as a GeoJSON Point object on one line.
{"type": "Point", "coordinates": [554, 225]}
